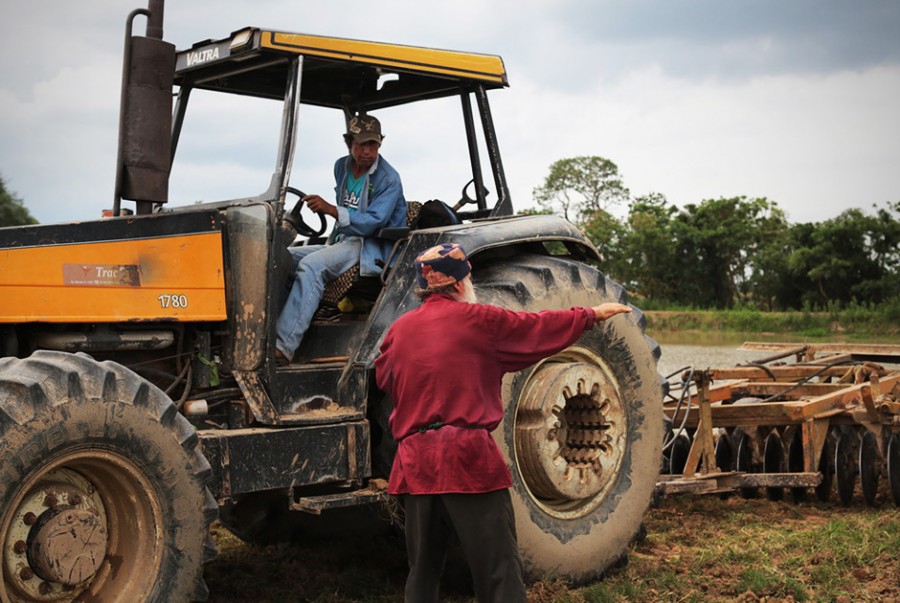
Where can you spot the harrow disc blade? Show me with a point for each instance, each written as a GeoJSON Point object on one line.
{"type": "Point", "coordinates": [893, 467]}
{"type": "Point", "coordinates": [773, 462]}
{"type": "Point", "coordinates": [795, 465]}
{"type": "Point", "coordinates": [744, 460]}
{"type": "Point", "coordinates": [845, 465]}
{"type": "Point", "coordinates": [678, 456]}
{"type": "Point", "coordinates": [826, 468]}
{"type": "Point", "coordinates": [725, 452]}
{"type": "Point", "coordinates": [869, 466]}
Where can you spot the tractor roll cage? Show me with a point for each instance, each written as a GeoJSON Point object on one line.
{"type": "Point", "coordinates": [351, 75]}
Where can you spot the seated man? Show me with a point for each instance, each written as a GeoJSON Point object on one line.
{"type": "Point", "coordinates": [369, 197]}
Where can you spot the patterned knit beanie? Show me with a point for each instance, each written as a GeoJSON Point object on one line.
{"type": "Point", "coordinates": [441, 265]}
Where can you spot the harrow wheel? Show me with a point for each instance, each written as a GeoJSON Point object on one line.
{"type": "Point", "coordinates": [845, 465]}
{"type": "Point", "coordinates": [773, 462]}
{"type": "Point", "coordinates": [893, 467]}
{"type": "Point", "coordinates": [869, 466]}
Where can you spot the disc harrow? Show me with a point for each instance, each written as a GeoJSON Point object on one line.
{"type": "Point", "coordinates": [828, 419]}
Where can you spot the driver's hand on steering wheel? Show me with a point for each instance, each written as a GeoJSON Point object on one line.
{"type": "Point", "coordinates": [320, 205]}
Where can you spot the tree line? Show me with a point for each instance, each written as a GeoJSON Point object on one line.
{"type": "Point", "coordinates": [728, 252]}
{"type": "Point", "coordinates": [718, 253]}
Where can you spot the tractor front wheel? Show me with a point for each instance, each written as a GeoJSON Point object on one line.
{"type": "Point", "coordinates": [102, 486]}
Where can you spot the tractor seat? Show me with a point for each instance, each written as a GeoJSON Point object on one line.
{"type": "Point", "coordinates": [339, 288]}
{"type": "Point", "coordinates": [366, 289]}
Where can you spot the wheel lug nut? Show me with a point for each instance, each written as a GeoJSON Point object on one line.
{"type": "Point", "coordinates": [29, 518]}
{"type": "Point", "coordinates": [26, 573]}
{"type": "Point", "coordinates": [51, 501]}
{"type": "Point", "coordinates": [75, 500]}
{"type": "Point", "coordinates": [19, 547]}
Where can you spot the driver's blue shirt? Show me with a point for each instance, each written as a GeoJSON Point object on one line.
{"type": "Point", "coordinates": [365, 206]}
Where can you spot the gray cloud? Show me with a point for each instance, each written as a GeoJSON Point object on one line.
{"type": "Point", "coordinates": [790, 100]}
{"type": "Point", "coordinates": [739, 38]}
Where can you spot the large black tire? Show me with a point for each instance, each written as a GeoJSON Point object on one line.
{"type": "Point", "coordinates": [583, 430]}
{"type": "Point", "coordinates": [92, 444]}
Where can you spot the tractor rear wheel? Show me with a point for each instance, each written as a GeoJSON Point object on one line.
{"type": "Point", "coordinates": [102, 486]}
{"type": "Point", "coordinates": [583, 430]}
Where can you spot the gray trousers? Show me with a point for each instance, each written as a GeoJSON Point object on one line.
{"type": "Point", "coordinates": [486, 527]}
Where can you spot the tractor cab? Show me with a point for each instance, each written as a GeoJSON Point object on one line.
{"type": "Point", "coordinates": [304, 72]}
{"type": "Point", "coordinates": [306, 79]}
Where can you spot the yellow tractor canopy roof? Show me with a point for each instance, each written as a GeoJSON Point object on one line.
{"type": "Point", "coordinates": [337, 72]}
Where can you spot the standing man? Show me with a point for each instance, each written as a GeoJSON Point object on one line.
{"type": "Point", "coordinates": [369, 197]}
{"type": "Point", "coordinates": [442, 364]}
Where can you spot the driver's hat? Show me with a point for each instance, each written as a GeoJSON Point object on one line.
{"type": "Point", "coordinates": [364, 128]}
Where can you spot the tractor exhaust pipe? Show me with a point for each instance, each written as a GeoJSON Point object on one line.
{"type": "Point", "coordinates": [155, 19]}
{"type": "Point", "coordinates": [145, 114]}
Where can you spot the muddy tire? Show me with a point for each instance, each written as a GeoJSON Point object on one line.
{"type": "Point", "coordinates": [93, 445]}
{"type": "Point", "coordinates": [583, 430]}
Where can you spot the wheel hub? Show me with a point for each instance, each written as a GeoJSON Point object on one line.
{"type": "Point", "coordinates": [570, 432]}
{"type": "Point", "coordinates": [58, 538]}
{"type": "Point", "coordinates": [67, 545]}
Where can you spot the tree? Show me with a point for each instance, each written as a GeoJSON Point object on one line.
{"type": "Point", "coordinates": [12, 211]}
{"type": "Point", "coordinates": [606, 233]}
{"type": "Point", "coordinates": [649, 263]}
{"type": "Point", "coordinates": [725, 252]}
{"type": "Point", "coordinates": [769, 247]}
{"type": "Point", "coordinates": [853, 257]}
{"type": "Point", "coordinates": [581, 186]}
{"type": "Point", "coordinates": [530, 211]}
{"type": "Point", "coordinates": [718, 246]}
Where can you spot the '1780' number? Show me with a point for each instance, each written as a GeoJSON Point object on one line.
{"type": "Point", "coordinates": [173, 301]}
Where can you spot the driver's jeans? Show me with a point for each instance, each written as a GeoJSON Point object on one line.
{"type": "Point", "coordinates": [312, 267]}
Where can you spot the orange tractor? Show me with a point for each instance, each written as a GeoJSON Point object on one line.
{"type": "Point", "coordinates": [139, 397]}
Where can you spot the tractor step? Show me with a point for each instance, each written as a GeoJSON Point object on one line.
{"type": "Point", "coordinates": [376, 492]}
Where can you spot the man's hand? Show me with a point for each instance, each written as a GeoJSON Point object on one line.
{"type": "Point", "coordinates": [604, 311]}
{"type": "Point", "coordinates": [320, 205]}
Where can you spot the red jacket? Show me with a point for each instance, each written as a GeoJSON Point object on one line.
{"type": "Point", "coordinates": [442, 364]}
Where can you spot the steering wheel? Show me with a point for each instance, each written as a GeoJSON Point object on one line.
{"type": "Point", "coordinates": [465, 198]}
{"type": "Point", "coordinates": [296, 220]}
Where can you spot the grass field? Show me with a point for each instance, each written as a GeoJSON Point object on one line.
{"type": "Point", "coordinates": [857, 325]}
{"type": "Point", "coordinates": [698, 548]}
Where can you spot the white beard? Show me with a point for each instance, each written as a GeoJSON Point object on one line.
{"type": "Point", "coordinates": [468, 293]}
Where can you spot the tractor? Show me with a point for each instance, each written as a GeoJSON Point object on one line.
{"type": "Point", "coordinates": [140, 400]}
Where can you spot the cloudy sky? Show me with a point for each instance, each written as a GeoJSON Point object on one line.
{"type": "Point", "coordinates": [795, 101]}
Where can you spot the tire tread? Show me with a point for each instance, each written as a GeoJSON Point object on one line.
{"type": "Point", "coordinates": [52, 378]}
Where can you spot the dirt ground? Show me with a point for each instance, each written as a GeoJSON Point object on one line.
{"type": "Point", "coordinates": [697, 548]}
